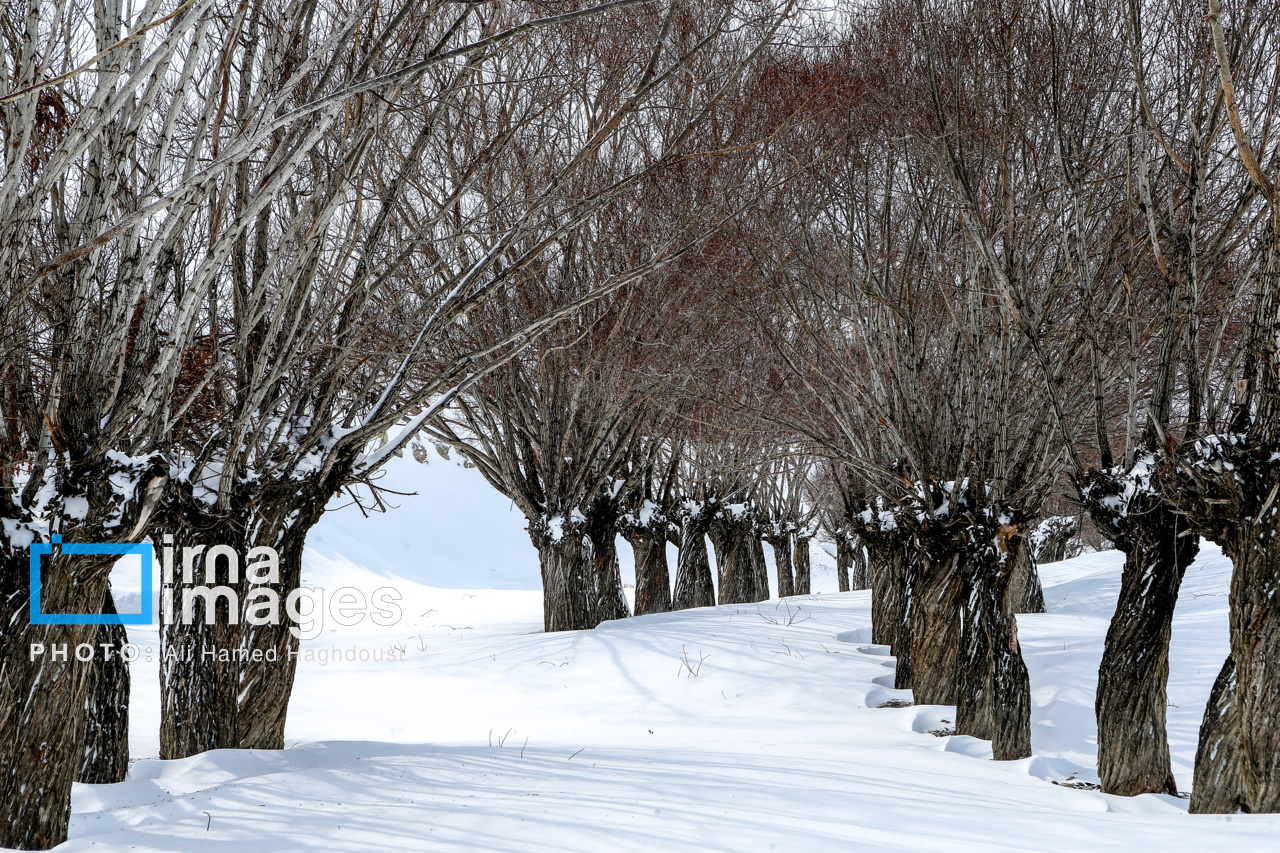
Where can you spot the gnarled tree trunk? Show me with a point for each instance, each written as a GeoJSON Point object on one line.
{"type": "Point", "coordinates": [602, 527]}
{"type": "Point", "coordinates": [937, 592]}
{"type": "Point", "coordinates": [860, 570]}
{"type": "Point", "coordinates": [993, 691]}
{"type": "Point", "coordinates": [1133, 746]}
{"type": "Point", "coordinates": [759, 569]}
{"type": "Point", "coordinates": [653, 582]}
{"type": "Point", "coordinates": [226, 685]}
{"type": "Point", "coordinates": [105, 759]}
{"type": "Point", "coordinates": [694, 586]}
{"type": "Point", "coordinates": [1026, 595]}
{"type": "Point", "coordinates": [803, 566]}
{"type": "Point", "coordinates": [1219, 776]}
{"type": "Point", "coordinates": [44, 696]}
{"type": "Point", "coordinates": [782, 561]}
{"type": "Point", "coordinates": [844, 561]}
{"type": "Point", "coordinates": [887, 586]}
{"type": "Point", "coordinates": [735, 560]}
{"type": "Point", "coordinates": [568, 589]}
{"type": "Point", "coordinates": [42, 710]}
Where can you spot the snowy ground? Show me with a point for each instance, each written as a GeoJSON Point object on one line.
{"type": "Point", "coordinates": [728, 728]}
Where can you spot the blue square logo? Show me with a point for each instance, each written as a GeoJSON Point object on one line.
{"type": "Point", "coordinates": [143, 550]}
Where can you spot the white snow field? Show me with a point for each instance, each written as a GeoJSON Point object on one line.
{"type": "Point", "coordinates": [729, 728]}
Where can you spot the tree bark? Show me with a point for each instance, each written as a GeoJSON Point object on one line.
{"type": "Point", "coordinates": [1026, 595]}
{"type": "Point", "coordinates": [44, 698]}
{"type": "Point", "coordinates": [937, 592]}
{"type": "Point", "coordinates": [213, 693]}
{"type": "Point", "coordinates": [993, 691]}
{"type": "Point", "coordinates": [1219, 777]}
{"type": "Point", "coordinates": [43, 701]}
{"type": "Point", "coordinates": [759, 568]}
{"type": "Point", "coordinates": [1254, 704]}
{"type": "Point", "coordinates": [735, 560]}
{"type": "Point", "coordinates": [1133, 746]}
{"type": "Point", "coordinates": [887, 576]}
{"type": "Point", "coordinates": [1053, 536]}
{"type": "Point", "coordinates": [782, 560]}
{"type": "Point", "coordinates": [653, 581]}
{"type": "Point", "coordinates": [901, 580]}
{"type": "Point", "coordinates": [803, 566]}
{"type": "Point", "coordinates": [844, 559]}
{"type": "Point", "coordinates": [105, 759]}
{"type": "Point", "coordinates": [568, 589]}
{"type": "Point", "coordinates": [693, 569]}
{"type": "Point", "coordinates": [860, 570]}
{"type": "Point", "coordinates": [602, 527]}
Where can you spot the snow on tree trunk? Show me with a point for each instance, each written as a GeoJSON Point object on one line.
{"type": "Point", "coordinates": [993, 691]}
{"type": "Point", "coordinates": [105, 759]}
{"type": "Point", "coordinates": [1229, 489]}
{"type": "Point", "coordinates": [568, 588]}
{"type": "Point", "coordinates": [653, 581]}
{"type": "Point", "coordinates": [1131, 702]}
{"type": "Point", "coordinates": [44, 698]}
{"type": "Point", "coordinates": [1051, 539]}
{"type": "Point", "coordinates": [1218, 787]}
{"type": "Point", "coordinates": [782, 561]}
{"type": "Point", "coordinates": [693, 567]}
{"type": "Point", "coordinates": [803, 566]}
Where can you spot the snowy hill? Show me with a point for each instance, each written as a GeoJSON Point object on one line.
{"type": "Point", "coordinates": [728, 728]}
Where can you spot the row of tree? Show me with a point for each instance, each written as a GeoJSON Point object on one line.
{"type": "Point", "coordinates": [248, 249]}
{"type": "Point", "coordinates": [907, 271]}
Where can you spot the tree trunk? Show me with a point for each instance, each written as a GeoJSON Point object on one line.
{"type": "Point", "coordinates": [105, 759]}
{"type": "Point", "coordinates": [803, 570]}
{"type": "Point", "coordinates": [693, 568]}
{"type": "Point", "coordinates": [993, 691]}
{"type": "Point", "coordinates": [782, 560]}
{"type": "Point", "coordinates": [1219, 777]}
{"type": "Point", "coordinates": [1228, 488]}
{"type": "Point", "coordinates": [937, 592]}
{"type": "Point", "coordinates": [844, 559]}
{"type": "Point", "coordinates": [653, 583]}
{"type": "Point", "coordinates": [735, 562]}
{"type": "Point", "coordinates": [860, 572]}
{"type": "Point", "coordinates": [886, 591]}
{"type": "Point", "coordinates": [43, 701]}
{"type": "Point", "coordinates": [759, 569]}
{"type": "Point", "coordinates": [44, 697]}
{"type": "Point", "coordinates": [1133, 746]}
{"type": "Point", "coordinates": [568, 590]}
{"type": "Point", "coordinates": [602, 527]}
{"type": "Point", "coordinates": [226, 685]}
{"type": "Point", "coordinates": [1026, 595]}
{"type": "Point", "coordinates": [902, 568]}
{"type": "Point", "coordinates": [1255, 648]}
